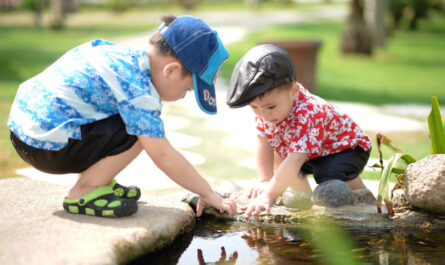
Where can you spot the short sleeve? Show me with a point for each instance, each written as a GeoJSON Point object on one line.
{"type": "Point", "coordinates": [260, 126]}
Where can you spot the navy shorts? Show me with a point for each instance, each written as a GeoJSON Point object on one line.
{"type": "Point", "coordinates": [345, 165]}
{"type": "Point", "coordinates": [100, 139]}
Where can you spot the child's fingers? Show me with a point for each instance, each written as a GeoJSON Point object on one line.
{"type": "Point", "coordinates": [258, 210]}
{"type": "Point", "coordinates": [234, 206]}
{"type": "Point", "coordinates": [268, 208]}
{"type": "Point", "coordinates": [250, 192]}
{"type": "Point", "coordinates": [230, 207]}
{"type": "Point", "coordinates": [248, 211]}
{"type": "Point", "coordinates": [199, 208]}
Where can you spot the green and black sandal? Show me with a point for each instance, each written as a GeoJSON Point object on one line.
{"type": "Point", "coordinates": [101, 202]}
{"type": "Point", "coordinates": [130, 192]}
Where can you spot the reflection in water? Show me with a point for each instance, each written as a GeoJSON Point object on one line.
{"type": "Point", "coordinates": [222, 259]}
{"type": "Point", "coordinates": [279, 246]}
{"type": "Point", "coordinates": [212, 242]}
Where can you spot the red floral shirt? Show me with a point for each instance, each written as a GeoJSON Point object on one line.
{"type": "Point", "coordinates": [313, 127]}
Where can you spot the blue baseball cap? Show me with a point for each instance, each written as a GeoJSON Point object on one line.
{"type": "Point", "coordinates": [202, 53]}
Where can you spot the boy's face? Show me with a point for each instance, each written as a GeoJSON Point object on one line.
{"type": "Point", "coordinates": [276, 105]}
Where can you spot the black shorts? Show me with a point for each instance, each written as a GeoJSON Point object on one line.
{"type": "Point", "coordinates": [345, 165]}
{"type": "Point", "coordinates": [100, 139]}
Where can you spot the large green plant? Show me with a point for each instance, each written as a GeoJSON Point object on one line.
{"type": "Point", "coordinates": [399, 160]}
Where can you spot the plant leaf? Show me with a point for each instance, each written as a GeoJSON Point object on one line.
{"type": "Point", "coordinates": [383, 194]}
{"type": "Point", "coordinates": [436, 128]}
{"type": "Point", "coordinates": [384, 177]}
{"type": "Point", "coordinates": [382, 139]}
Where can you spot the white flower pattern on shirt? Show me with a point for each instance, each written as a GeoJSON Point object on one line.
{"type": "Point", "coordinates": [91, 82]}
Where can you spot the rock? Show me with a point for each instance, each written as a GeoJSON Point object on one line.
{"type": "Point", "coordinates": [363, 196]}
{"type": "Point", "coordinates": [228, 187]}
{"type": "Point", "coordinates": [333, 193]}
{"type": "Point", "coordinates": [34, 228]}
{"type": "Point", "coordinates": [296, 200]}
{"type": "Point", "coordinates": [425, 183]}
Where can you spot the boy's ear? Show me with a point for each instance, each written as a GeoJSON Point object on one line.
{"type": "Point", "coordinates": [172, 69]}
{"type": "Point", "coordinates": [295, 90]}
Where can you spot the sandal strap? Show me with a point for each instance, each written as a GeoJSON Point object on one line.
{"type": "Point", "coordinates": [112, 183]}
{"type": "Point", "coordinates": [126, 192]}
{"type": "Point", "coordinates": [93, 195]}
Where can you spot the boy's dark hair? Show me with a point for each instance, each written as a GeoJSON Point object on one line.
{"type": "Point", "coordinates": [162, 46]}
{"type": "Point", "coordinates": [284, 86]}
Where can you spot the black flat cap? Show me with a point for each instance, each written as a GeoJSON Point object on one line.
{"type": "Point", "coordinates": [262, 68]}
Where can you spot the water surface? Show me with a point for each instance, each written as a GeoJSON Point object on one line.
{"type": "Point", "coordinates": [216, 242]}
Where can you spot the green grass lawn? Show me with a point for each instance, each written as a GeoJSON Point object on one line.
{"type": "Point", "coordinates": [409, 69]}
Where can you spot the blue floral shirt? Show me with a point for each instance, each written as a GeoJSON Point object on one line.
{"type": "Point", "coordinates": [91, 82]}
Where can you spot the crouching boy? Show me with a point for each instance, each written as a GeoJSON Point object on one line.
{"type": "Point", "coordinates": [98, 106]}
{"type": "Point", "coordinates": [298, 133]}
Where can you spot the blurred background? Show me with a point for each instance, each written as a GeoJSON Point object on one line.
{"type": "Point", "coordinates": [387, 55]}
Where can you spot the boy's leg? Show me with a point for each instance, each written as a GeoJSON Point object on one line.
{"type": "Point", "coordinates": [345, 166]}
{"type": "Point", "coordinates": [300, 183]}
{"type": "Point", "coordinates": [103, 172]}
{"type": "Point", "coordinates": [356, 183]}
{"type": "Point", "coordinates": [105, 149]}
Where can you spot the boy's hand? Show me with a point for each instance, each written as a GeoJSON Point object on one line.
{"type": "Point", "coordinates": [223, 205]}
{"type": "Point", "coordinates": [256, 206]}
{"type": "Point", "coordinates": [257, 189]}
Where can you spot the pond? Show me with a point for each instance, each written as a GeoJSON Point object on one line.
{"type": "Point", "coordinates": [222, 242]}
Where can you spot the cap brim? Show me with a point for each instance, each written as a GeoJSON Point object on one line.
{"type": "Point", "coordinates": [205, 95]}
{"type": "Point", "coordinates": [245, 95]}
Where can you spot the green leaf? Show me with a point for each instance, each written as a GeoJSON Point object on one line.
{"type": "Point", "coordinates": [398, 170]}
{"type": "Point", "coordinates": [436, 128]}
{"type": "Point", "coordinates": [391, 167]}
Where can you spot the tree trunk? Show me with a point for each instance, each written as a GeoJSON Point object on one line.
{"type": "Point", "coordinates": [357, 37]}
{"type": "Point", "coordinates": [375, 15]}
{"type": "Point", "coordinates": [38, 9]}
{"type": "Point", "coordinates": [57, 16]}
{"type": "Point", "coordinates": [254, 4]}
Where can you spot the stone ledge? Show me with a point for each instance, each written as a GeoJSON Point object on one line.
{"type": "Point", "coordinates": [359, 216]}
{"type": "Point", "coordinates": [34, 228]}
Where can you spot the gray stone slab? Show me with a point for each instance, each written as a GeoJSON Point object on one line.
{"type": "Point", "coordinates": [361, 215]}
{"type": "Point", "coordinates": [34, 229]}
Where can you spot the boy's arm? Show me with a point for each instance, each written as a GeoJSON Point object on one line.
{"type": "Point", "coordinates": [174, 165]}
{"type": "Point", "coordinates": [264, 159]}
{"type": "Point", "coordinates": [288, 170]}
